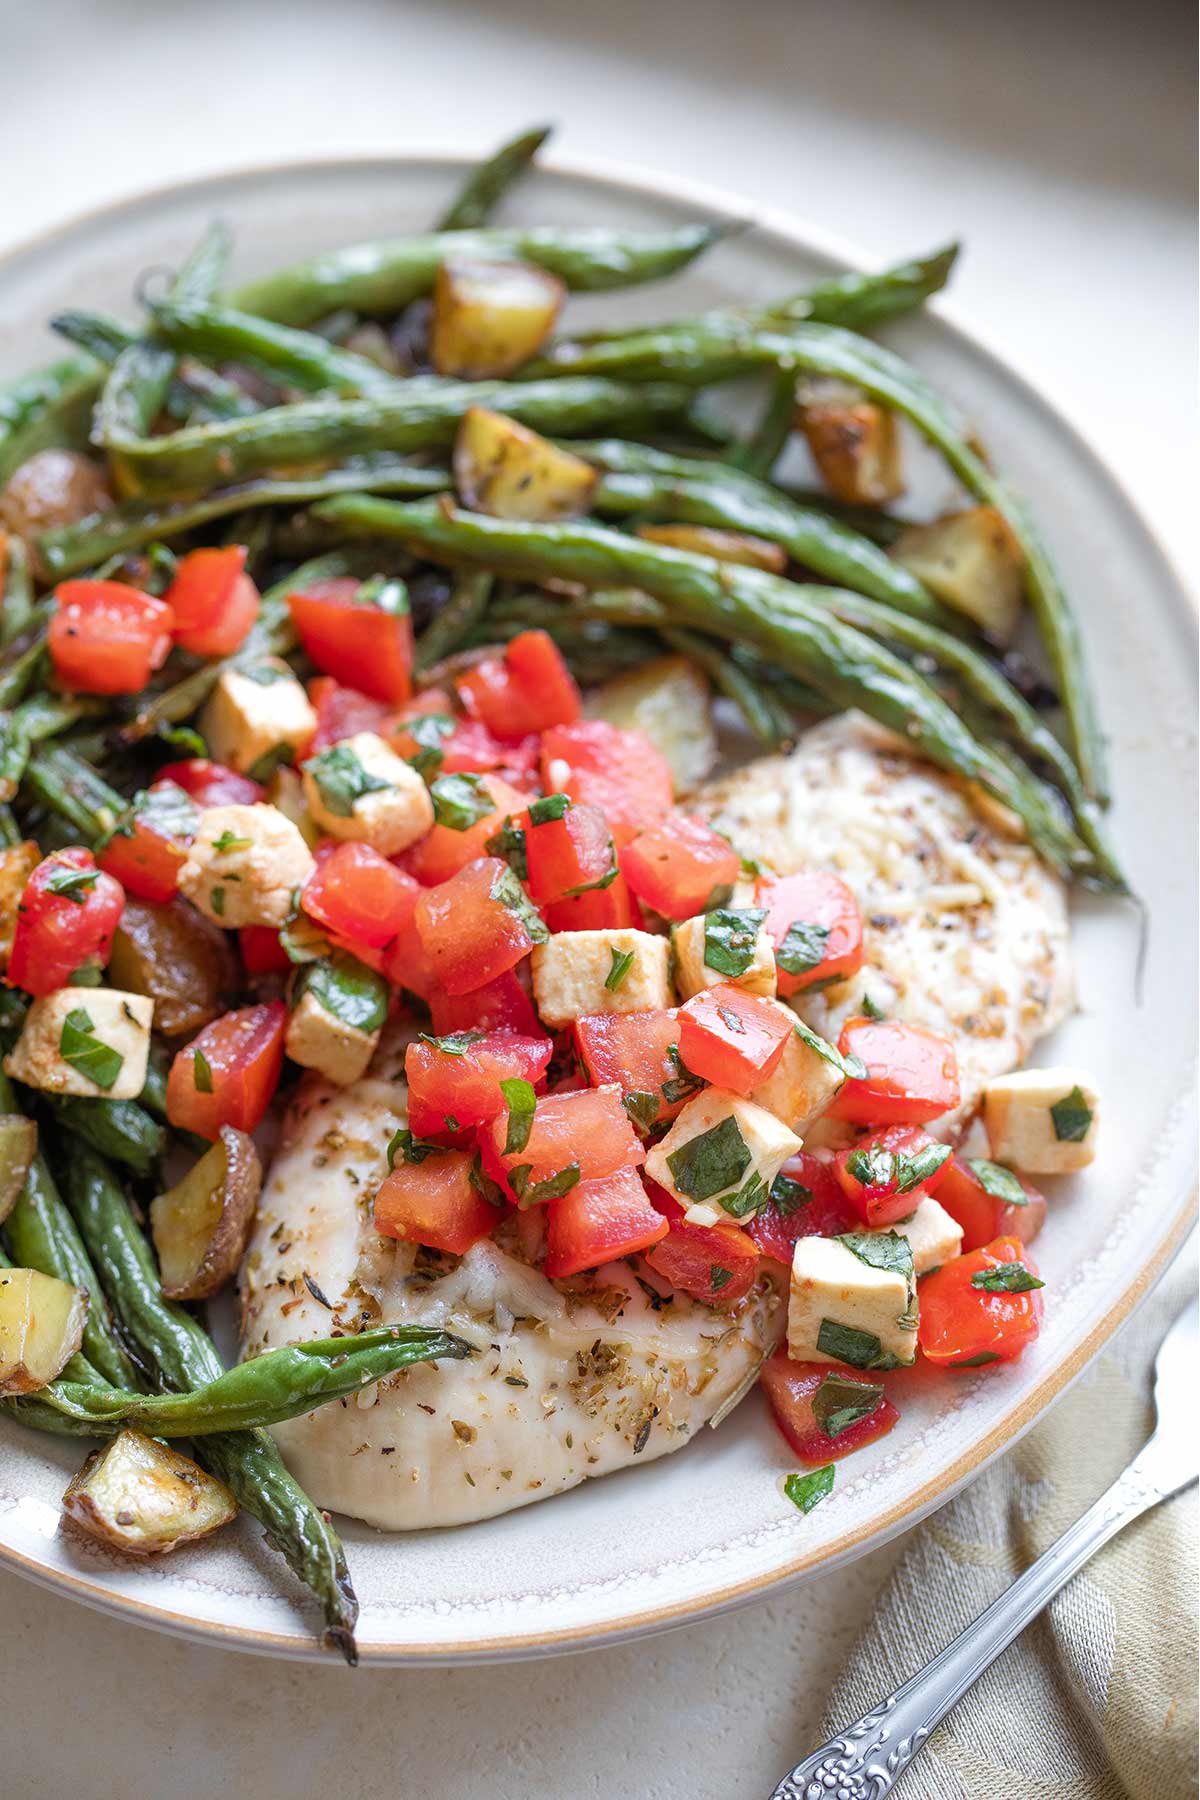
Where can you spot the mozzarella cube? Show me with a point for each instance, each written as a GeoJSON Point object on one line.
{"type": "Point", "coordinates": [842, 1309]}
{"type": "Point", "coordinates": [359, 788]}
{"type": "Point", "coordinates": [720, 1156]}
{"type": "Point", "coordinates": [933, 1236]}
{"type": "Point", "coordinates": [1042, 1121]}
{"type": "Point", "coordinates": [802, 1083]}
{"type": "Point", "coordinates": [318, 1039]}
{"type": "Point", "coordinates": [93, 1042]}
{"type": "Point", "coordinates": [693, 974]}
{"type": "Point", "coordinates": [256, 716]}
{"type": "Point", "coordinates": [245, 866]}
{"type": "Point", "coordinates": [573, 969]}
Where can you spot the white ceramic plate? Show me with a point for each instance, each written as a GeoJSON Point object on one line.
{"type": "Point", "coordinates": [709, 1527]}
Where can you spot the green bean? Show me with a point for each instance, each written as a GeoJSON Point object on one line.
{"type": "Point", "coordinates": [763, 448]}
{"type": "Point", "coordinates": [487, 184]}
{"type": "Point", "coordinates": [75, 791]}
{"type": "Point", "coordinates": [16, 588]}
{"type": "Point", "coordinates": [193, 390]}
{"type": "Point", "coordinates": [783, 620]}
{"type": "Point", "coordinates": [50, 407]}
{"type": "Point", "coordinates": [99, 333]}
{"type": "Point", "coordinates": [120, 1129]}
{"type": "Point", "coordinates": [719, 348]}
{"type": "Point", "coordinates": [765, 718]}
{"type": "Point", "coordinates": [22, 657]}
{"type": "Point", "coordinates": [15, 746]}
{"type": "Point", "coordinates": [382, 276]}
{"type": "Point", "coordinates": [419, 416]}
{"type": "Point", "coordinates": [202, 272]}
{"type": "Point", "coordinates": [298, 359]}
{"type": "Point", "coordinates": [459, 616]}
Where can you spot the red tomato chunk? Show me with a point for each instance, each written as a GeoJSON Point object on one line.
{"type": "Point", "coordinates": [598, 1221]}
{"type": "Point", "coordinates": [433, 1202]}
{"type": "Point", "coordinates": [885, 1176]}
{"type": "Point", "coordinates": [621, 772]}
{"type": "Point", "coordinates": [487, 801]}
{"type": "Point", "coordinates": [816, 926]}
{"type": "Point", "coordinates": [567, 848]}
{"type": "Point", "coordinates": [262, 952]}
{"type": "Point", "coordinates": [715, 1264]}
{"type": "Point", "coordinates": [228, 1074]}
{"type": "Point", "coordinates": [214, 601]}
{"type": "Point", "coordinates": [500, 1005]}
{"type": "Point", "coordinates": [732, 1038]}
{"type": "Point", "coordinates": [66, 917]}
{"type": "Point", "coordinates": [106, 638]}
{"type": "Point", "coordinates": [633, 1051]}
{"type": "Point", "coordinates": [360, 896]}
{"type": "Point", "coordinates": [677, 867]}
{"type": "Point", "coordinates": [983, 1215]}
{"type": "Point", "coordinates": [964, 1326]}
{"type": "Point", "coordinates": [806, 1201]}
{"type": "Point", "coordinates": [361, 644]}
{"type": "Point", "coordinates": [476, 925]}
{"type": "Point", "coordinates": [150, 846]}
{"type": "Point", "coordinates": [792, 1389]}
{"type": "Point", "coordinates": [527, 689]}
{"type": "Point", "coordinates": [611, 908]}
{"type": "Point", "coordinates": [463, 1084]}
{"type": "Point", "coordinates": [210, 783]}
{"type": "Point", "coordinates": [588, 1130]}
{"type": "Point", "coordinates": [912, 1074]}
{"type": "Point", "coordinates": [342, 712]}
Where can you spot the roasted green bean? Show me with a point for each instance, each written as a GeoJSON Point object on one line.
{"type": "Point", "coordinates": [487, 184]}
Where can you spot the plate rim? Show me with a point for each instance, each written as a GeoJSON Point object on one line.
{"type": "Point", "coordinates": [732, 209]}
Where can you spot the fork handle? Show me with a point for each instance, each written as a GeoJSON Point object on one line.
{"type": "Point", "coordinates": [864, 1761]}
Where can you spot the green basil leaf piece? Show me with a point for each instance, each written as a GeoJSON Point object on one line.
{"type": "Point", "coordinates": [887, 1250]}
{"type": "Point", "coordinates": [788, 1195]}
{"type": "Point", "coordinates": [202, 1079]}
{"type": "Point", "coordinates": [852, 1067]}
{"type": "Point", "coordinates": [509, 845]}
{"type": "Point", "coordinates": [549, 808]}
{"type": "Point", "coordinates": [683, 1083]}
{"type": "Point", "coordinates": [229, 840]}
{"type": "Point", "coordinates": [998, 1181]}
{"type": "Point", "coordinates": [455, 1043]}
{"type": "Point", "coordinates": [1072, 1117]}
{"type": "Point", "coordinates": [807, 1491]}
{"type": "Point", "coordinates": [521, 1101]}
{"type": "Point", "coordinates": [348, 990]}
{"type": "Point", "coordinates": [861, 1349]}
{"type": "Point", "coordinates": [90, 1055]}
{"type": "Point", "coordinates": [719, 1277]}
{"type": "Point", "coordinates": [72, 884]}
{"type": "Point", "coordinates": [642, 1109]}
{"type": "Point", "coordinates": [622, 962]}
{"type": "Point", "coordinates": [460, 801]}
{"type": "Point", "coordinates": [509, 892]}
{"type": "Point", "coordinates": [410, 1149]}
{"type": "Point", "coordinates": [1006, 1278]}
{"type": "Point", "coordinates": [552, 1187]}
{"type": "Point", "coordinates": [730, 937]}
{"type": "Point", "coordinates": [803, 946]}
{"type": "Point", "coordinates": [428, 732]}
{"type": "Point", "coordinates": [712, 1162]}
{"type": "Point", "coordinates": [341, 779]}
{"type": "Point", "coordinates": [840, 1402]}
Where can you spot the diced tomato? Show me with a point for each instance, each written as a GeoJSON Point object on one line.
{"type": "Point", "coordinates": [210, 783]}
{"type": "Point", "coordinates": [983, 1215]}
{"type": "Point", "coordinates": [262, 951]}
{"type": "Point", "coordinates": [433, 1202]}
{"type": "Point", "coordinates": [433, 1128]}
{"type": "Point", "coordinates": [407, 965]}
{"type": "Point", "coordinates": [150, 845]}
{"type": "Point", "coordinates": [963, 1326]}
{"type": "Point", "coordinates": [500, 1005]}
{"type": "Point", "coordinates": [633, 1050]}
{"type": "Point", "coordinates": [476, 925]}
{"type": "Point", "coordinates": [619, 771]}
{"type": "Point", "coordinates": [715, 1264]}
{"type": "Point", "coordinates": [885, 1176]}
{"type": "Point", "coordinates": [464, 746]}
{"type": "Point", "coordinates": [791, 1389]}
{"type": "Point", "coordinates": [612, 908]}
{"type": "Point", "coordinates": [816, 926]}
{"type": "Point", "coordinates": [912, 1074]}
{"type": "Point", "coordinates": [228, 1074]}
{"type": "Point", "coordinates": [364, 646]}
{"type": "Point", "coordinates": [588, 1130]}
{"type": "Point", "coordinates": [598, 1221]}
{"type": "Point", "coordinates": [568, 849]}
{"type": "Point", "coordinates": [527, 689]}
{"type": "Point", "coordinates": [732, 1038]}
{"type": "Point", "coordinates": [443, 851]}
{"type": "Point", "coordinates": [359, 895]}
{"type": "Point", "coordinates": [213, 599]}
{"type": "Point", "coordinates": [678, 866]}
{"type": "Point", "coordinates": [342, 712]}
{"type": "Point", "coordinates": [66, 917]}
{"type": "Point", "coordinates": [806, 1201]}
{"type": "Point", "coordinates": [107, 638]}
{"type": "Point", "coordinates": [464, 1083]}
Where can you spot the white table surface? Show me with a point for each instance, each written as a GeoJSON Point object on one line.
{"type": "Point", "coordinates": [1058, 139]}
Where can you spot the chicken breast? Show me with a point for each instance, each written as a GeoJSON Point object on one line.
{"type": "Point", "coordinates": [966, 928]}
{"type": "Point", "coordinates": [570, 1381]}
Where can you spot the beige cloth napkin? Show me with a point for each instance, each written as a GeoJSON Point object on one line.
{"type": "Point", "coordinates": [1098, 1699]}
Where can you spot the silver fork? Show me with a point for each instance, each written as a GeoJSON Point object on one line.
{"type": "Point", "coordinates": [865, 1760]}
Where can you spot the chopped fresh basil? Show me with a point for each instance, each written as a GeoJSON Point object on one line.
{"type": "Point", "coordinates": [712, 1162]}
{"type": "Point", "coordinates": [509, 892]}
{"type": "Point", "coordinates": [683, 1083]}
{"type": "Point", "coordinates": [1072, 1117]}
{"type": "Point", "coordinates": [202, 1079]}
{"type": "Point", "coordinates": [409, 1148]}
{"type": "Point", "coordinates": [998, 1181]}
{"type": "Point", "coordinates": [185, 740]}
{"type": "Point", "coordinates": [72, 884]}
{"type": "Point", "coordinates": [165, 808]}
{"type": "Point", "coordinates": [509, 844]}
{"type": "Point", "coordinates": [840, 1402]}
{"type": "Point", "coordinates": [460, 801]}
{"type": "Point", "coordinates": [549, 808]}
{"type": "Point", "coordinates": [642, 1109]}
{"type": "Point", "coordinates": [266, 674]}
{"type": "Point", "coordinates": [302, 941]}
{"type": "Point", "coordinates": [807, 1491]}
{"type": "Point", "coordinates": [483, 1184]}
{"type": "Point", "coordinates": [875, 1167]}
{"type": "Point", "coordinates": [748, 1199]}
{"type": "Point", "coordinates": [719, 1277]}
{"type": "Point", "coordinates": [1006, 1278]}
{"type": "Point", "coordinates": [788, 1195]}
{"type": "Point", "coordinates": [521, 1102]}
{"type": "Point", "coordinates": [861, 1349]}
{"type": "Point", "coordinates": [341, 780]}
{"type": "Point", "coordinates": [350, 992]}
{"type": "Point", "coordinates": [871, 1009]}
{"type": "Point", "coordinates": [387, 592]}
{"type": "Point", "coordinates": [852, 1067]}
{"type": "Point", "coordinates": [88, 974]}
{"type": "Point", "coordinates": [428, 732]}
{"type": "Point", "coordinates": [622, 962]}
{"type": "Point", "coordinates": [553, 1187]}
{"type": "Point", "coordinates": [270, 763]}
{"type": "Point", "coordinates": [90, 1055]}
{"type": "Point", "coordinates": [886, 1250]}
{"type": "Point", "coordinates": [229, 840]}
{"type": "Point", "coordinates": [803, 946]}
{"type": "Point", "coordinates": [217, 901]}
{"type": "Point", "coordinates": [455, 1043]}
{"type": "Point", "coordinates": [730, 937]}
{"type": "Point", "coordinates": [978, 1362]}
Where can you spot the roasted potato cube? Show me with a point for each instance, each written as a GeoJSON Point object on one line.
{"type": "Point", "coordinates": [18, 1147]}
{"type": "Point", "coordinates": [17, 863]}
{"type": "Point", "coordinates": [200, 1226]}
{"type": "Point", "coordinates": [668, 699]}
{"type": "Point", "coordinates": [505, 469]}
{"type": "Point", "coordinates": [726, 546]}
{"type": "Point", "coordinates": [854, 443]}
{"type": "Point", "coordinates": [973, 562]}
{"type": "Point", "coordinates": [179, 958]}
{"type": "Point", "coordinates": [489, 318]}
{"type": "Point", "coordinates": [144, 1497]}
{"type": "Point", "coordinates": [41, 1328]}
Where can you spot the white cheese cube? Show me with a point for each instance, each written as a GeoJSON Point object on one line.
{"type": "Point", "coordinates": [933, 1236]}
{"type": "Point", "coordinates": [245, 866]}
{"type": "Point", "coordinates": [361, 789]}
{"type": "Point", "coordinates": [693, 974]}
{"type": "Point", "coordinates": [256, 716]}
{"type": "Point", "coordinates": [88, 1041]}
{"type": "Point", "coordinates": [318, 1039]}
{"type": "Point", "coordinates": [842, 1309]}
{"type": "Point", "coordinates": [720, 1156]}
{"type": "Point", "coordinates": [1042, 1121]}
{"type": "Point", "coordinates": [573, 970]}
{"type": "Point", "coordinates": [801, 1085]}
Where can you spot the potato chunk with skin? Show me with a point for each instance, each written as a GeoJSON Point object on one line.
{"type": "Point", "coordinates": [245, 865]}
{"type": "Point", "coordinates": [579, 973]}
{"type": "Point", "coordinates": [200, 1226]}
{"type": "Point", "coordinates": [720, 1156]}
{"type": "Point", "coordinates": [172, 953]}
{"type": "Point", "coordinates": [17, 863]}
{"type": "Point", "coordinates": [802, 1083]}
{"type": "Point", "coordinates": [94, 1042]}
{"type": "Point", "coordinates": [668, 699]}
{"type": "Point", "coordinates": [973, 562]}
{"type": "Point", "coordinates": [256, 716]}
{"type": "Point", "coordinates": [490, 317]}
{"type": "Point", "coordinates": [505, 469]}
{"type": "Point", "coordinates": [854, 442]}
{"type": "Point", "coordinates": [41, 1328]}
{"type": "Point", "coordinates": [145, 1498]}
{"type": "Point", "coordinates": [1042, 1121]}
{"type": "Point", "coordinates": [359, 788]}
{"type": "Point", "coordinates": [694, 942]}
{"type": "Point", "coordinates": [842, 1308]}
